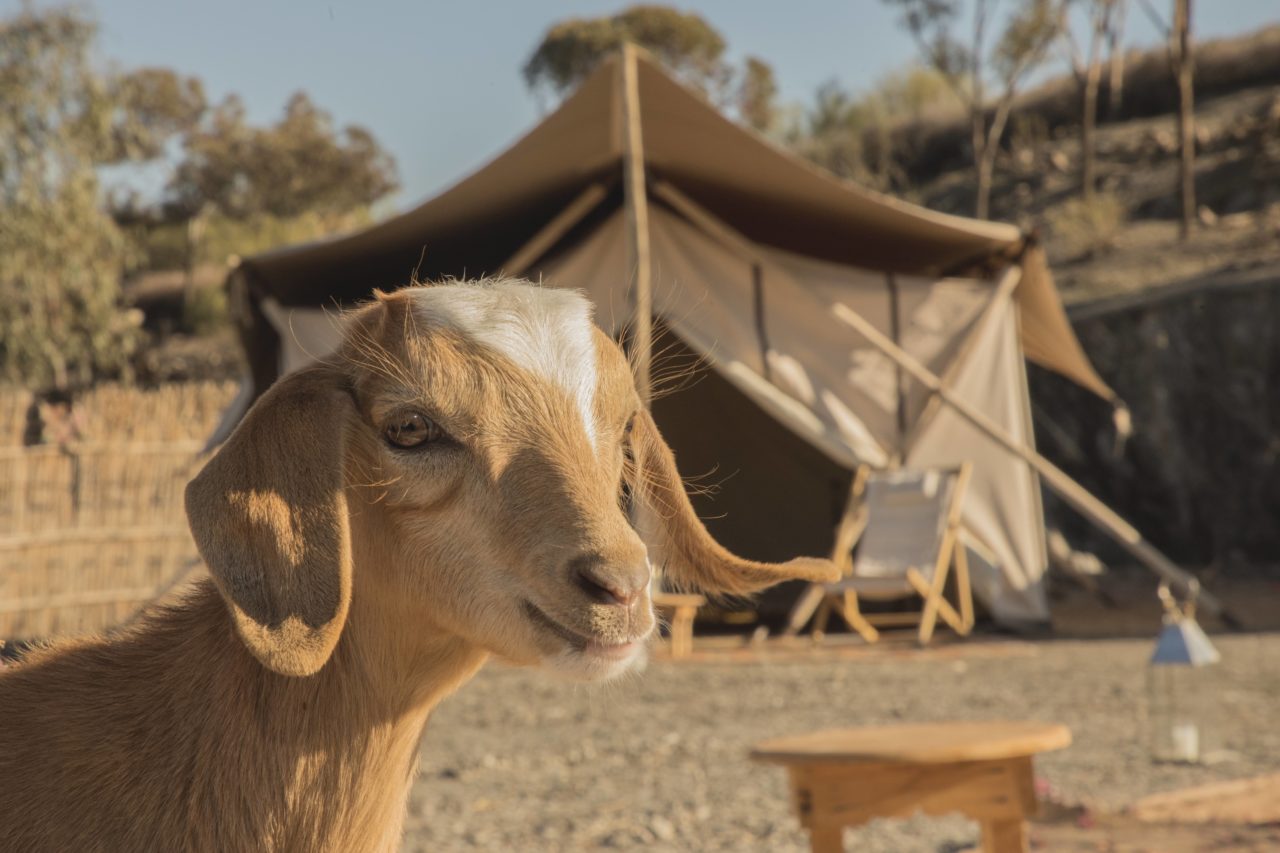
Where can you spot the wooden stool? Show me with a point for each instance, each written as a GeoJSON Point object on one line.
{"type": "Point", "coordinates": [683, 609]}
{"type": "Point", "coordinates": [846, 777]}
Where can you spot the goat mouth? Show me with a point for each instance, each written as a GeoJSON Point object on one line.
{"type": "Point", "coordinates": [579, 642]}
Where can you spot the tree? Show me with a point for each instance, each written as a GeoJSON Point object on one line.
{"type": "Point", "coordinates": [1115, 60]}
{"type": "Point", "coordinates": [974, 68]}
{"type": "Point", "coordinates": [1183, 60]}
{"type": "Point", "coordinates": [1086, 67]}
{"type": "Point", "coordinates": [853, 135]}
{"type": "Point", "coordinates": [299, 165]}
{"type": "Point", "coordinates": [151, 106]}
{"type": "Point", "coordinates": [683, 42]}
{"type": "Point", "coordinates": [757, 95]}
{"type": "Point", "coordinates": [60, 255]}
{"type": "Point", "coordinates": [1182, 65]}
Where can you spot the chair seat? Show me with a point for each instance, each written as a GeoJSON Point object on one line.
{"type": "Point", "coordinates": [874, 587]}
{"type": "Point", "coordinates": [908, 526]}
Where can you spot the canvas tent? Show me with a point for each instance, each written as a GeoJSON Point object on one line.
{"type": "Point", "coordinates": [750, 250]}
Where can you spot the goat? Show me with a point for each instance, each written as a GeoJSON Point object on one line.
{"type": "Point", "coordinates": [451, 484]}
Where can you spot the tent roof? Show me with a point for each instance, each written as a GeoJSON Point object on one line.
{"type": "Point", "coordinates": [761, 191]}
{"type": "Point", "coordinates": [764, 192]}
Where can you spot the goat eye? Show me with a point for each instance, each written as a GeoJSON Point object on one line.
{"type": "Point", "coordinates": [412, 429]}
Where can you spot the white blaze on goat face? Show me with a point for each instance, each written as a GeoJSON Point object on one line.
{"type": "Point", "coordinates": [546, 331]}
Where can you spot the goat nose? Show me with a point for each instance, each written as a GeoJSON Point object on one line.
{"type": "Point", "coordinates": [609, 583]}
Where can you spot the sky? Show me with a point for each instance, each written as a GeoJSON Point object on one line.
{"type": "Point", "coordinates": [439, 83]}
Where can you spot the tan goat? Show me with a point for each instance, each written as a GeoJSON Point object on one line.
{"type": "Point", "coordinates": [448, 486]}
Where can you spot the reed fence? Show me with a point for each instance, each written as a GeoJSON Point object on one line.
{"type": "Point", "coordinates": [90, 530]}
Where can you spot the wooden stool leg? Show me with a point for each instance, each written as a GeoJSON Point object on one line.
{"type": "Point", "coordinates": [1004, 836]}
{"type": "Point", "coordinates": [682, 631]}
{"type": "Point", "coordinates": [826, 839]}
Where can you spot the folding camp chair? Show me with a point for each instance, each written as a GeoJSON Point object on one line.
{"type": "Point", "coordinates": [909, 523]}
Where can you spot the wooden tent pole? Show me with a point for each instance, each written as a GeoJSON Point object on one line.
{"type": "Point", "coordinates": [1124, 533]}
{"type": "Point", "coordinates": [551, 233]}
{"type": "Point", "coordinates": [639, 342]}
{"type": "Point", "coordinates": [707, 221]}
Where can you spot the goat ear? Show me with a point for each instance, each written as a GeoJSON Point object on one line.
{"type": "Point", "coordinates": [269, 517]}
{"type": "Point", "coordinates": [691, 557]}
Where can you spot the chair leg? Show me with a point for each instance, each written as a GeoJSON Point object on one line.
{"type": "Point", "coordinates": [803, 609]}
{"type": "Point", "coordinates": [964, 591]}
{"type": "Point", "coordinates": [933, 601]}
{"type": "Point", "coordinates": [820, 619]}
{"type": "Point", "coordinates": [853, 616]}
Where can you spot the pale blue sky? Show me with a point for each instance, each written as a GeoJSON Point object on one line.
{"type": "Point", "coordinates": [439, 82]}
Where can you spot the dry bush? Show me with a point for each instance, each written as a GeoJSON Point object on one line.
{"type": "Point", "coordinates": [1080, 227]}
{"type": "Point", "coordinates": [177, 412]}
{"type": "Point", "coordinates": [121, 413]}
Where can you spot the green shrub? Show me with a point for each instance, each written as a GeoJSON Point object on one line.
{"type": "Point", "coordinates": [206, 311]}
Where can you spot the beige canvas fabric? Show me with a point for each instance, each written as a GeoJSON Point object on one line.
{"type": "Point", "coordinates": [1002, 503]}
{"type": "Point", "coordinates": [840, 396]}
{"type": "Point", "coordinates": [838, 392]}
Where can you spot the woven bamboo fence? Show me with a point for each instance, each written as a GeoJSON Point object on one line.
{"type": "Point", "coordinates": [91, 530]}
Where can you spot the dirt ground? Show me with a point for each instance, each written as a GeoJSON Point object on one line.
{"type": "Point", "coordinates": [519, 760]}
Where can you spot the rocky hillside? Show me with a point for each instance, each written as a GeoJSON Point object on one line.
{"type": "Point", "coordinates": [1186, 332]}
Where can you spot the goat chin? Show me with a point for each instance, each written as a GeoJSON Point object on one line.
{"type": "Point", "coordinates": [598, 664]}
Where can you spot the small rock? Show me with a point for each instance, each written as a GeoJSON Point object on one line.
{"type": "Point", "coordinates": [1164, 141]}
{"type": "Point", "coordinates": [663, 829]}
{"type": "Point", "coordinates": [1059, 161]}
{"type": "Point", "coordinates": [1206, 216]}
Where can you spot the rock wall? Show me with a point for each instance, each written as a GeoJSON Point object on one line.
{"type": "Point", "coordinates": [1200, 371]}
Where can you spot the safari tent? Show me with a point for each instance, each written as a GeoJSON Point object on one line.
{"type": "Point", "coordinates": [635, 189]}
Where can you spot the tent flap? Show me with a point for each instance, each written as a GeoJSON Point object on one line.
{"type": "Point", "coordinates": [1047, 336]}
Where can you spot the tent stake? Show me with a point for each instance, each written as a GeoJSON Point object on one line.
{"type": "Point", "coordinates": [1124, 533]}
{"type": "Point", "coordinates": [639, 343]}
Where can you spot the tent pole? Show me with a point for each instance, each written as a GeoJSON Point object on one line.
{"type": "Point", "coordinates": [1068, 489]}
{"type": "Point", "coordinates": [707, 221]}
{"type": "Point", "coordinates": [639, 343]}
{"type": "Point", "coordinates": [550, 234]}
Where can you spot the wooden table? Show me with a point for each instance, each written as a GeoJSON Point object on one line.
{"type": "Point", "coordinates": [846, 777]}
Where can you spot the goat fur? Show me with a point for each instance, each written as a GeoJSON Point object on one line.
{"type": "Point", "coordinates": [280, 704]}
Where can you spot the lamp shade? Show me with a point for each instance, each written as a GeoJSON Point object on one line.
{"type": "Point", "coordinates": [1184, 643]}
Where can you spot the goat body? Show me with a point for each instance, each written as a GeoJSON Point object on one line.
{"type": "Point", "coordinates": [448, 486]}
{"type": "Point", "coordinates": [173, 737]}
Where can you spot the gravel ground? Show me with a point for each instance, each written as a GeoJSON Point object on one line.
{"type": "Point", "coordinates": [518, 760]}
